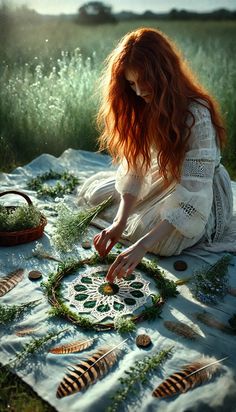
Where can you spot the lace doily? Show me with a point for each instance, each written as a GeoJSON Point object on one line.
{"type": "Point", "coordinates": [92, 294]}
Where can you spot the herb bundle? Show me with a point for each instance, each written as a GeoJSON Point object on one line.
{"type": "Point", "coordinates": [211, 283]}
{"type": "Point", "coordinates": [71, 226]}
{"type": "Point", "coordinates": [19, 218]}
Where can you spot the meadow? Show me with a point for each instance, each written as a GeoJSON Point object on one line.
{"type": "Point", "coordinates": [49, 81]}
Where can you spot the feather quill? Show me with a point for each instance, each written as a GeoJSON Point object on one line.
{"type": "Point", "coordinates": [72, 347]}
{"type": "Point", "coordinates": [26, 331]}
{"type": "Point", "coordinates": [182, 329]}
{"type": "Point", "coordinates": [87, 372]}
{"type": "Point", "coordinates": [10, 281]}
{"type": "Point", "coordinates": [188, 377]}
{"type": "Point", "coordinates": [209, 320]}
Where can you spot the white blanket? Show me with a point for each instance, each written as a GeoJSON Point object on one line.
{"type": "Point", "coordinates": [44, 371]}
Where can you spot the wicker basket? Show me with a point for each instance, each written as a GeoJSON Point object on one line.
{"type": "Point", "coordinates": [25, 235]}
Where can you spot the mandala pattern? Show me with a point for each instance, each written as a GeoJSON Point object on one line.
{"type": "Point", "coordinates": [92, 294]}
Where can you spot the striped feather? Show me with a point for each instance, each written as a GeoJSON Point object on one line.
{"type": "Point", "coordinates": [10, 281]}
{"type": "Point", "coordinates": [182, 329]}
{"type": "Point", "coordinates": [26, 331]}
{"type": "Point", "coordinates": [209, 320]}
{"type": "Point", "coordinates": [87, 372]}
{"type": "Point", "coordinates": [73, 347]}
{"type": "Point", "coordinates": [187, 378]}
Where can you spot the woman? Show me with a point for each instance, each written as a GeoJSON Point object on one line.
{"type": "Point", "coordinates": [166, 132]}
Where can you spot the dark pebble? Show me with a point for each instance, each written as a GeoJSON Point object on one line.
{"type": "Point", "coordinates": [143, 341]}
{"type": "Point", "coordinates": [180, 265]}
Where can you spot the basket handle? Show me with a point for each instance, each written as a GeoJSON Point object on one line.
{"type": "Point", "coordinates": [24, 195]}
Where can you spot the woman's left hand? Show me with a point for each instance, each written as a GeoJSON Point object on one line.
{"type": "Point", "coordinates": [126, 262]}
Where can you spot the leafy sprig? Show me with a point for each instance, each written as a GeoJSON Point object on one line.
{"type": "Point", "coordinates": [124, 325]}
{"type": "Point", "coordinates": [33, 346]}
{"type": "Point", "coordinates": [136, 375]}
{"type": "Point", "coordinates": [9, 313]}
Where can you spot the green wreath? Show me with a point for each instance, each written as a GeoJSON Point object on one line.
{"type": "Point", "coordinates": [52, 289]}
{"type": "Point", "coordinates": [38, 184]}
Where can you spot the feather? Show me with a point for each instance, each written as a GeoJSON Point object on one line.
{"type": "Point", "coordinates": [232, 291]}
{"type": "Point", "coordinates": [182, 329]}
{"type": "Point", "coordinates": [209, 320]}
{"type": "Point", "coordinates": [10, 281]}
{"type": "Point", "coordinates": [84, 374]}
{"type": "Point", "coordinates": [26, 331]}
{"type": "Point", "coordinates": [72, 347]}
{"type": "Point", "coordinates": [188, 377]}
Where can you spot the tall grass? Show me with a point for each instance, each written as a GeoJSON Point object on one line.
{"type": "Point", "coordinates": [48, 82]}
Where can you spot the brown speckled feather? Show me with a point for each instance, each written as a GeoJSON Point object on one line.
{"type": "Point", "coordinates": [84, 374]}
{"type": "Point", "coordinates": [182, 329]}
{"type": "Point", "coordinates": [10, 281]}
{"type": "Point", "coordinates": [187, 378]}
{"type": "Point", "coordinates": [72, 347]}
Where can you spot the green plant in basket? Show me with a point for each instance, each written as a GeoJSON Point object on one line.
{"type": "Point", "coordinates": [19, 218]}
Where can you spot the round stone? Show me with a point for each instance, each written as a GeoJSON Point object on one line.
{"type": "Point", "coordinates": [86, 244]}
{"type": "Point", "coordinates": [180, 265]}
{"type": "Point", "coordinates": [34, 275]}
{"type": "Point", "coordinates": [143, 341]}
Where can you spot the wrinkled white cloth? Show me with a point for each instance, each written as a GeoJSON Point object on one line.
{"type": "Point", "coordinates": [200, 206]}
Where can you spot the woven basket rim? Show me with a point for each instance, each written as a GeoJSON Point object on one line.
{"type": "Point", "coordinates": [43, 222]}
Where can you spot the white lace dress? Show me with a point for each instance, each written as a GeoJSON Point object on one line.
{"type": "Point", "coordinates": [200, 206]}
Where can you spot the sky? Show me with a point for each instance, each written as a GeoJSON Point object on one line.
{"type": "Point", "coordinates": [139, 6]}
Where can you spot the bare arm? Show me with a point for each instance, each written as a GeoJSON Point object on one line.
{"type": "Point", "coordinates": [126, 206]}
{"type": "Point", "coordinates": [156, 234]}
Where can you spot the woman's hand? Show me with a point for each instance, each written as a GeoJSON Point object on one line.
{"type": "Point", "coordinates": [105, 240]}
{"type": "Point", "coordinates": [126, 262]}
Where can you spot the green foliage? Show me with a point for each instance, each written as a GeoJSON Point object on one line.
{"type": "Point", "coordinates": [211, 283]}
{"type": "Point", "coordinates": [34, 346]}
{"type": "Point", "coordinates": [19, 218]}
{"type": "Point", "coordinates": [10, 313]}
{"type": "Point", "coordinates": [124, 325]}
{"type": "Point", "coordinates": [152, 312]}
{"type": "Point", "coordinates": [136, 375]}
{"type": "Point", "coordinates": [43, 189]}
{"type": "Point", "coordinates": [71, 226]}
{"type": "Point", "coordinates": [167, 287]}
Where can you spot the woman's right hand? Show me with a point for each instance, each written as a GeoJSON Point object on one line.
{"type": "Point", "coordinates": [105, 240]}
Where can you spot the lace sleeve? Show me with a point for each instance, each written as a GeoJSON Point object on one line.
{"type": "Point", "coordinates": [137, 183]}
{"type": "Point", "coordinates": [188, 206]}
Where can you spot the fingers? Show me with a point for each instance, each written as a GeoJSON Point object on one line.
{"type": "Point", "coordinates": [114, 270]}
{"type": "Point", "coordinates": [121, 267]}
{"type": "Point", "coordinates": [103, 243]}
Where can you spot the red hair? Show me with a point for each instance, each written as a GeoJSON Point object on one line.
{"type": "Point", "coordinates": [130, 127]}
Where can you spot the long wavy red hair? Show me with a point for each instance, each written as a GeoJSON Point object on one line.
{"type": "Point", "coordinates": [130, 126]}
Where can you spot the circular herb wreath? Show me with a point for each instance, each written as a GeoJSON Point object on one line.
{"type": "Point", "coordinates": [38, 184]}
{"type": "Point", "coordinates": [167, 288]}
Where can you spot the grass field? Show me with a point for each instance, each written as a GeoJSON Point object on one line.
{"type": "Point", "coordinates": [49, 73]}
